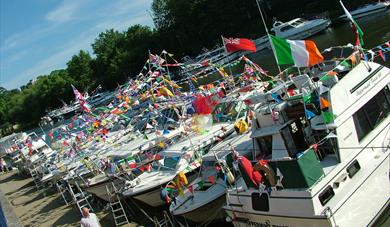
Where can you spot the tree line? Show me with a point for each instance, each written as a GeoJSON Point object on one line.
{"type": "Point", "coordinates": [182, 27]}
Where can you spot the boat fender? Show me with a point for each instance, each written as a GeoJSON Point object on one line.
{"type": "Point", "coordinates": [263, 167]}
{"type": "Point", "coordinates": [226, 171]}
{"type": "Point", "coordinates": [229, 176]}
{"type": "Point", "coordinates": [240, 126]}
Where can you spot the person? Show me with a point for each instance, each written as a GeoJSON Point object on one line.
{"type": "Point", "coordinates": [3, 165]}
{"type": "Point", "coordinates": [89, 219]}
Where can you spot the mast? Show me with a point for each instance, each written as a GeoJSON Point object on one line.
{"type": "Point", "coordinates": [269, 38]}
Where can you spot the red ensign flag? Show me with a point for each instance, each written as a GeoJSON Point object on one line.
{"type": "Point", "coordinates": [237, 44]}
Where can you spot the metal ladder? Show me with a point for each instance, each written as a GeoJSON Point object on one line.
{"type": "Point", "coordinates": [62, 189]}
{"type": "Point", "coordinates": [164, 222]}
{"type": "Point", "coordinates": [36, 178]}
{"type": "Point", "coordinates": [80, 198]}
{"type": "Point", "coordinates": [117, 210]}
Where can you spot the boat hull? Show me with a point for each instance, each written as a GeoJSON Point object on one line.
{"type": "Point", "coordinates": [100, 190]}
{"type": "Point", "coordinates": [365, 13]}
{"type": "Point", "coordinates": [203, 214]}
{"type": "Point", "coordinates": [310, 32]}
{"type": "Point", "coordinates": [152, 196]}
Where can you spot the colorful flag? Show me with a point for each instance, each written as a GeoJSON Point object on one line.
{"type": "Point", "coordinates": [237, 44]}
{"type": "Point", "coordinates": [355, 27]}
{"type": "Point", "coordinates": [301, 53]}
{"type": "Point", "coordinates": [83, 104]}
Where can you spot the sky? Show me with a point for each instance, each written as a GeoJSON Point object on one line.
{"type": "Point", "coordinates": [39, 36]}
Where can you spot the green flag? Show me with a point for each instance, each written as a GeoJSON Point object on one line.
{"type": "Point", "coordinates": [357, 30]}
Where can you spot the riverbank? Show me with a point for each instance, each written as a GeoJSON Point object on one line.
{"type": "Point", "coordinates": [41, 208]}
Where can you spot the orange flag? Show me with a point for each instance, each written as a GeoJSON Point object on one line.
{"type": "Point", "coordinates": [324, 103]}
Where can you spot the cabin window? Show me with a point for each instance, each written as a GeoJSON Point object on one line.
{"type": "Point", "coordinates": [294, 138]}
{"type": "Point", "coordinates": [286, 28]}
{"type": "Point", "coordinates": [372, 113]}
{"type": "Point", "coordinates": [265, 145]}
{"type": "Point", "coordinates": [260, 202]}
{"type": "Point", "coordinates": [353, 168]}
{"type": "Point", "coordinates": [326, 195]}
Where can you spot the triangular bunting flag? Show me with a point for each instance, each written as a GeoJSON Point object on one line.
{"type": "Point", "coordinates": [328, 117]}
{"type": "Point", "coordinates": [324, 103]}
{"type": "Point", "coordinates": [309, 114]}
{"type": "Point", "coordinates": [323, 89]}
{"type": "Point", "coordinates": [383, 56]}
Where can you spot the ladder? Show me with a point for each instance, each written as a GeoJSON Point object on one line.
{"type": "Point", "coordinates": [117, 210]}
{"type": "Point", "coordinates": [79, 197]}
{"type": "Point", "coordinates": [164, 222]}
{"type": "Point", "coordinates": [36, 178]}
{"type": "Point", "coordinates": [62, 189]}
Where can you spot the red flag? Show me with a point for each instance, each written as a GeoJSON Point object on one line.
{"type": "Point", "coordinates": [212, 179]}
{"type": "Point", "coordinates": [237, 44]}
{"type": "Point", "coordinates": [191, 189]}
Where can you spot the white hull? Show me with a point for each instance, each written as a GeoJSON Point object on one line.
{"type": "Point", "coordinates": [100, 190]}
{"type": "Point", "coordinates": [363, 13]}
{"type": "Point", "coordinates": [360, 209]}
{"type": "Point", "coordinates": [308, 33]}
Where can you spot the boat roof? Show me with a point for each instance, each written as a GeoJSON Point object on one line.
{"type": "Point", "coordinates": [240, 143]}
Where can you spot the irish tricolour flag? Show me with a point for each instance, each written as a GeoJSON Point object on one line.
{"type": "Point", "coordinates": [301, 53]}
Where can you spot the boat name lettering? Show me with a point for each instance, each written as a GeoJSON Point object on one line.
{"type": "Point", "coordinates": [264, 224]}
{"type": "Point", "coordinates": [369, 83]}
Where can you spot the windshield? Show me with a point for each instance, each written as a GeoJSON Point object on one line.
{"type": "Point", "coordinates": [166, 164]}
{"type": "Point", "coordinates": [208, 169]}
{"type": "Point", "coordinates": [228, 111]}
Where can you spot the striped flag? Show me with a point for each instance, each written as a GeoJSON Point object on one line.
{"type": "Point", "coordinates": [301, 53]}
{"type": "Point", "coordinates": [356, 29]}
{"type": "Point", "coordinates": [83, 103]}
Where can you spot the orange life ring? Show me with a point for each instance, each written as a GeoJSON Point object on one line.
{"type": "Point", "coordinates": [263, 167]}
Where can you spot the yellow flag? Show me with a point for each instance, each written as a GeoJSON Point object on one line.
{"type": "Point", "coordinates": [166, 92]}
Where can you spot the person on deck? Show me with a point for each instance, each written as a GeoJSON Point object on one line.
{"type": "Point", "coordinates": [89, 219]}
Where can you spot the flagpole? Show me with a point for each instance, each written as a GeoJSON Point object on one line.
{"type": "Point", "coordinates": [269, 38]}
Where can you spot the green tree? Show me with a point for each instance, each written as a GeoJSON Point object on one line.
{"type": "Point", "coordinates": [79, 69]}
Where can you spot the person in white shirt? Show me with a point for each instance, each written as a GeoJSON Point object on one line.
{"type": "Point", "coordinates": [89, 219]}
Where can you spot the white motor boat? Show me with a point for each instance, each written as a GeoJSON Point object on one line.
{"type": "Point", "coordinates": [299, 28]}
{"type": "Point", "coordinates": [320, 170]}
{"type": "Point", "coordinates": [205, 195]}
{"type": "Point", "coordinates": [366, 10]}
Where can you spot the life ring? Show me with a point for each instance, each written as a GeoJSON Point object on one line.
{"type": "Point", "coordinates": [263, 167]}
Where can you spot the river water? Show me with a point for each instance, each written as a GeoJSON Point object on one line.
{"type": "Point", "coordinates": [376, 30]}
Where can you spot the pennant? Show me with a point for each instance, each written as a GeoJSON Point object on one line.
{"type": "Point", "coordinates": [149, 126]}
{"type": "Point", "coordinates": [165, 132]}
{"type": "Point", "coordinates": [383, 56]}
{"type": "Point", "coordinates": [157, 157]}
{"type": "Point", "coordinates": [200, 184]}
{"type": "Point", "coordinates": [146, 137]}
{"type": "Point", "coordinates": [353, 59]}
{"type": "Point", "coordinates": [211, 179]}
{"type": "Point", "coordinates": [276, 97]}
{"type": "Point", "coordinates": [148, 167]}
{"type": "Point", "coordinates": [323, 89]}
{"type": "Point", "coordinates": [328, 117]}
{"type": "Point", "coordinates": [191, 189]}
{"type": "Point", "coordinates": [345, 63]}
{"type": "Point", "coordinates": [309, 114]}
{"type": "Point", "coordinates": [324, 103]}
